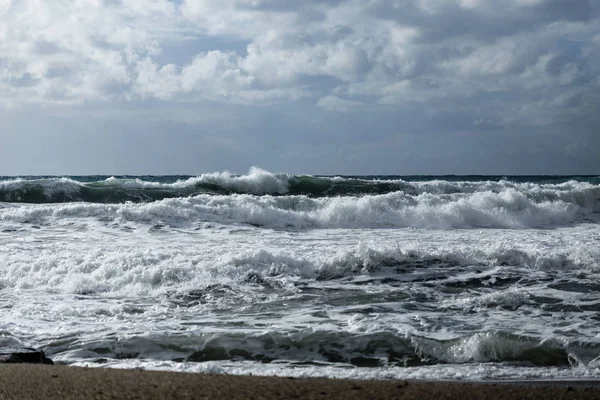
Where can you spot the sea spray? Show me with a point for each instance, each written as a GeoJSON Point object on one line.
{"type": "Point", "coordinates": [299, 275]}
{"type": "Point", "coordinates": [506, 209]}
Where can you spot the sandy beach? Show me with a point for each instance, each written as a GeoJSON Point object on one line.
{"type": "Point", "coordinates": [60, 382]}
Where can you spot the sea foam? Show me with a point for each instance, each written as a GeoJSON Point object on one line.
{"type": "Point", "coordinates": [507, 209]}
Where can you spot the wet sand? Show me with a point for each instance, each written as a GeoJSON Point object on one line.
{"type": "Point", "coordinates": [20, 381]}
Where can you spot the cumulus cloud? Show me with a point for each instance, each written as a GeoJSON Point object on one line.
{"type": "Point", "coordinates": [510, 61]}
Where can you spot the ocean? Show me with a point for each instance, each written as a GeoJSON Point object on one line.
{"type": "Point", "coordinates": [429, 277]}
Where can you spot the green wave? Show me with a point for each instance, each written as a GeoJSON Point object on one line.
{"type": "Point", "coordinates": [102, 189]}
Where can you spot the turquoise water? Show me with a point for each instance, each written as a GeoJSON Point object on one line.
{"type": "Point", "coordinates": [124, 188]}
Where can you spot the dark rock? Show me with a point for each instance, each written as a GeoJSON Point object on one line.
{"type": "Point", "coordinates": [10, 355]}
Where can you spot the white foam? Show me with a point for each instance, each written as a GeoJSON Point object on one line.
{"type": "Point", "coordinates": [479, 348]}
{"type": "Point", "coordinates": [260, 182]}
{"type": "Point", "coordinates": [464, 372]}
{"type": "Point", "coordinates": [104, 261]}
{"type": "Point", "coordinates": [512, 297]}
{"type": "Point", "coordinates": [507, 209]}
{"type": "Point", "coordinates": [15, 188]}
{"type": "Point", "coordinates": [78, 275]}
{"type": "Point", "coordinates": [257, 181]}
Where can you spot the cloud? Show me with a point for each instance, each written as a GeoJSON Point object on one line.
{"type": "Point", "coordinates": [73, 51]}
{"type": "Point", "coordinates": [573, 149]}
{"type": "Point", "coordinates": [334, 103]}
{"type": "Point", "coordinates": [214, 75]}
{"type": "Point", "coordinates": [509, 61]}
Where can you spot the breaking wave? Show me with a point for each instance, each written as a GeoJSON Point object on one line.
{"type": "Point", "coordinates": [508, 208]}
{"type": "Point", "coordinates": [138, 189]}
{"type": "Point", "coordinates": [185, 277]}
{"type": "Point", "coordinates": [101, 189]}
{"type": "Point", "coordinates": [305, 347]}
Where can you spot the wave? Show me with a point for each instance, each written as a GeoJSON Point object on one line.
{"type": "Point", "coordinates": [260, 182]}
{"type": "Point", "coordinates": [186, 278]}
{"type": "Point", "coordinates": [305, 347]}
{"type": "Point", "coordinates": [121, 190]}
{"type": "Point", "coordinates": [509, 209]}
{"type": "Point", "coordinates": [415, 263]}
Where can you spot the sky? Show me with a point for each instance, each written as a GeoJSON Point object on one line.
{"type": "Point", "coordinates": [300, 86]}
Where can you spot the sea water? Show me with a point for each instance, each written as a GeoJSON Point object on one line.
{"type": "Point", "coordinates": [448, 277]}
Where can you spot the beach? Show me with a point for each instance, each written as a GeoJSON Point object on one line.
{"type": "Point", "coordinates": [300, 199]}
{"type": "Point", "coordinates": [60, 382]}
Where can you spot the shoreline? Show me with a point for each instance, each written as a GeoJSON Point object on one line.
{"type": "Point", "coordinates": [28, 381]}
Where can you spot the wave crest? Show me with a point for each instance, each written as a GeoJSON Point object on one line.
{"type": "Point", "coordinates": [508, 209]}
{"type": "Point", "coordinates": [360, 350]}
{"type": "Point", "coordinates": [261, 182]}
